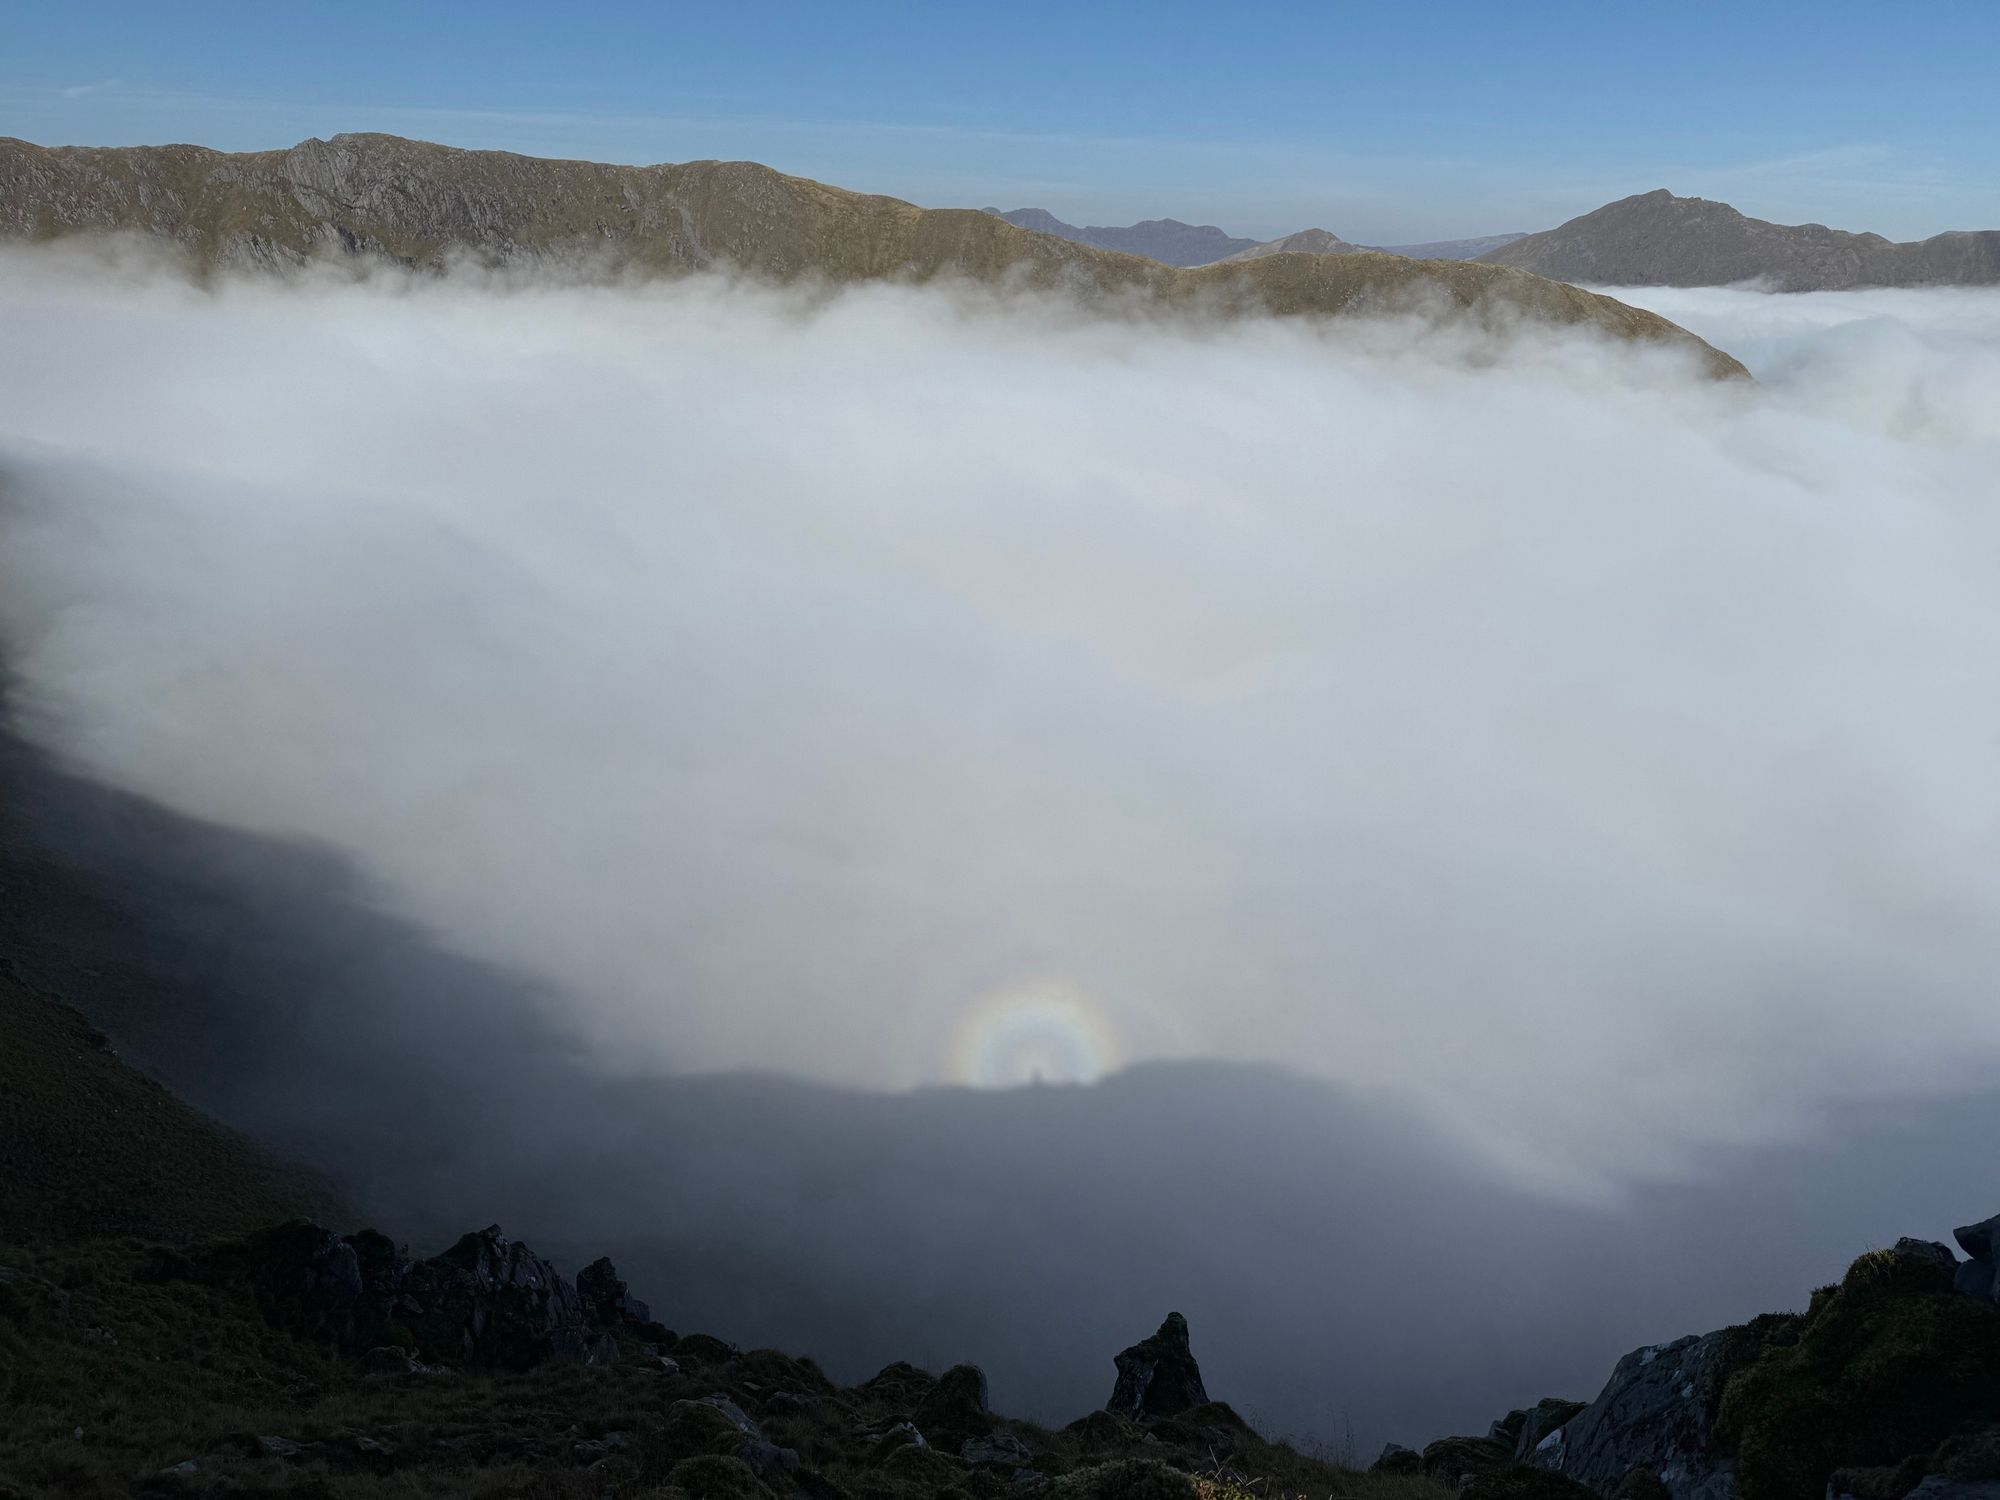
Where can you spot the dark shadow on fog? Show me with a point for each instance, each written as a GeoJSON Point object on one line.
{"type": "Point", "coordinates": [1347, 1274]}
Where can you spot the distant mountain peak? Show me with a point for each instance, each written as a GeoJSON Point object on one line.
{"type": "Point", "coordinates": [1168, 241]}
{"type": "Point", "coordinates": [1661, 239]}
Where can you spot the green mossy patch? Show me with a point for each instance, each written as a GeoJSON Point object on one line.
{"type": "Point", "coordinates": [1880, 1371]}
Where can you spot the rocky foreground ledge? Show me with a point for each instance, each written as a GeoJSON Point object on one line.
{"type": "Point", "coordinates": [1886, 1388]}
{"type": "Point", "coordinates": [294, 1360]}
{"type": "Point", "coordinates": [297, 1360]}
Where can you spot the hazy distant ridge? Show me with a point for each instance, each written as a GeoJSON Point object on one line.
{"type": "Point", "coordinates": [1173, 243]}
{"type": "Point", "coordinates": [1657, 239]}
{"type": "Point", "coordinates": [1168, 241]}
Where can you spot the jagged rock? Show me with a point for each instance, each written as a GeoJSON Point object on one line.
{"type": "Point", "coordinates": [1540, 1438]}
{"type": "Point", "coordinates": [493, 1302]}
{"type": "Point", "coordinates": [1507, 1429]}
{"type": "Point", "coordinates": [487, 1301]}
{"type": "Point", "coordinates": [1000, 1450]}
{"type": "Point", "coordinates": [1652, 1414]}
{"type": "Point", "coordinates": [1158, 1377]}
{"type": "Point", "coordinates": [1928, 1252]}
{"type": "Point", "coordinates": [955, 1408]}
{"type": "Point", "coordinates": [1979, 1276]}
{"type": "Point", "coordinates": [278, 1447]}
{"type": "Point", "coordinates": [1396, 1459]}
{"type": "Point", "coordinates": [607, 1302]}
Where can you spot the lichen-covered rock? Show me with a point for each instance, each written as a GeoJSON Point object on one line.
{"type": "Point", "coordinates": [1158, 1376]}
{"type": "Point", "coordinates": [1653, 1414]}
{"type": "Point", "coordinates": [1540, 1439]}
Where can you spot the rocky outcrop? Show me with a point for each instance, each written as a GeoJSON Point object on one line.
{"type": "Point", "coordinates": [607, 1302]}
{"type": "Point", "coordinates": [954, 1411]}
{"type": "Point", "coordinates": [503, 1306]}
{"type": "Point", "coordinates": [1158, 1377]}
{"type": "Point", "coordinates": [1979, 1276]}
{"type": "Point", "coordinates": [1538, 1429]}
{"type": "Point", "coordinates": [488, 1302]}
{"type": "Point", "coordinates": [1896, 1369]}
{"type": "Point", "coordinates": [1652, 1414]}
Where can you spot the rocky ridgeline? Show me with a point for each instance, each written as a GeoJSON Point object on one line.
{"type": "Point", "coordinates": [1886, 1388]}
{"type": "Point", "coordinates": [486, 1303]}
{"type": "Point", "coordinates": [489, 1304]}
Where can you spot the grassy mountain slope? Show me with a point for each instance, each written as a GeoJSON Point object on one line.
{"type": "Point", "coordinates": [427, 205]}
{"type": "Point", "coordinates": [90, 1147]}
{"type": "Point", "coordinates": [129, 1367]}
{"type": "Point", "coordinates": [1657, 239]}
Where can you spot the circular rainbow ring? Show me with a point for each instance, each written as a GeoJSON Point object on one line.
{"type": "Point", "coordinates": [1046, 1031]}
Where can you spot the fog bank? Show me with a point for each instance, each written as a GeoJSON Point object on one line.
{"type": "Point", "coordinates": [911, 688]}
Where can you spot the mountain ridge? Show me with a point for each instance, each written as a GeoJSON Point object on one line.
{"type": "Point", "coordinates": [361, 197]}
{"type": "Point", "coordinates": [1168, 241]}
{"type": "Point", "coordinates": [1660, 239]}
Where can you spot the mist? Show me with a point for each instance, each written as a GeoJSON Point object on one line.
{"type": "Point", "coordinates": [907, 686]}
{"type": "Point", "coordinates": [931, 827]}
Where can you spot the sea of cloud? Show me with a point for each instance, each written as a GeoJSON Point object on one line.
{"type": "Point", "coordinates": [1599, 759]}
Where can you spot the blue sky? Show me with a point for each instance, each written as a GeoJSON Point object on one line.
{"type": "Point", "coordinates": [1384, 123]}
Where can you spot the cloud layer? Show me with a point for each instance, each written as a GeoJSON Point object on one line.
{"type": "Point", "coordinates": [1599, 763]}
